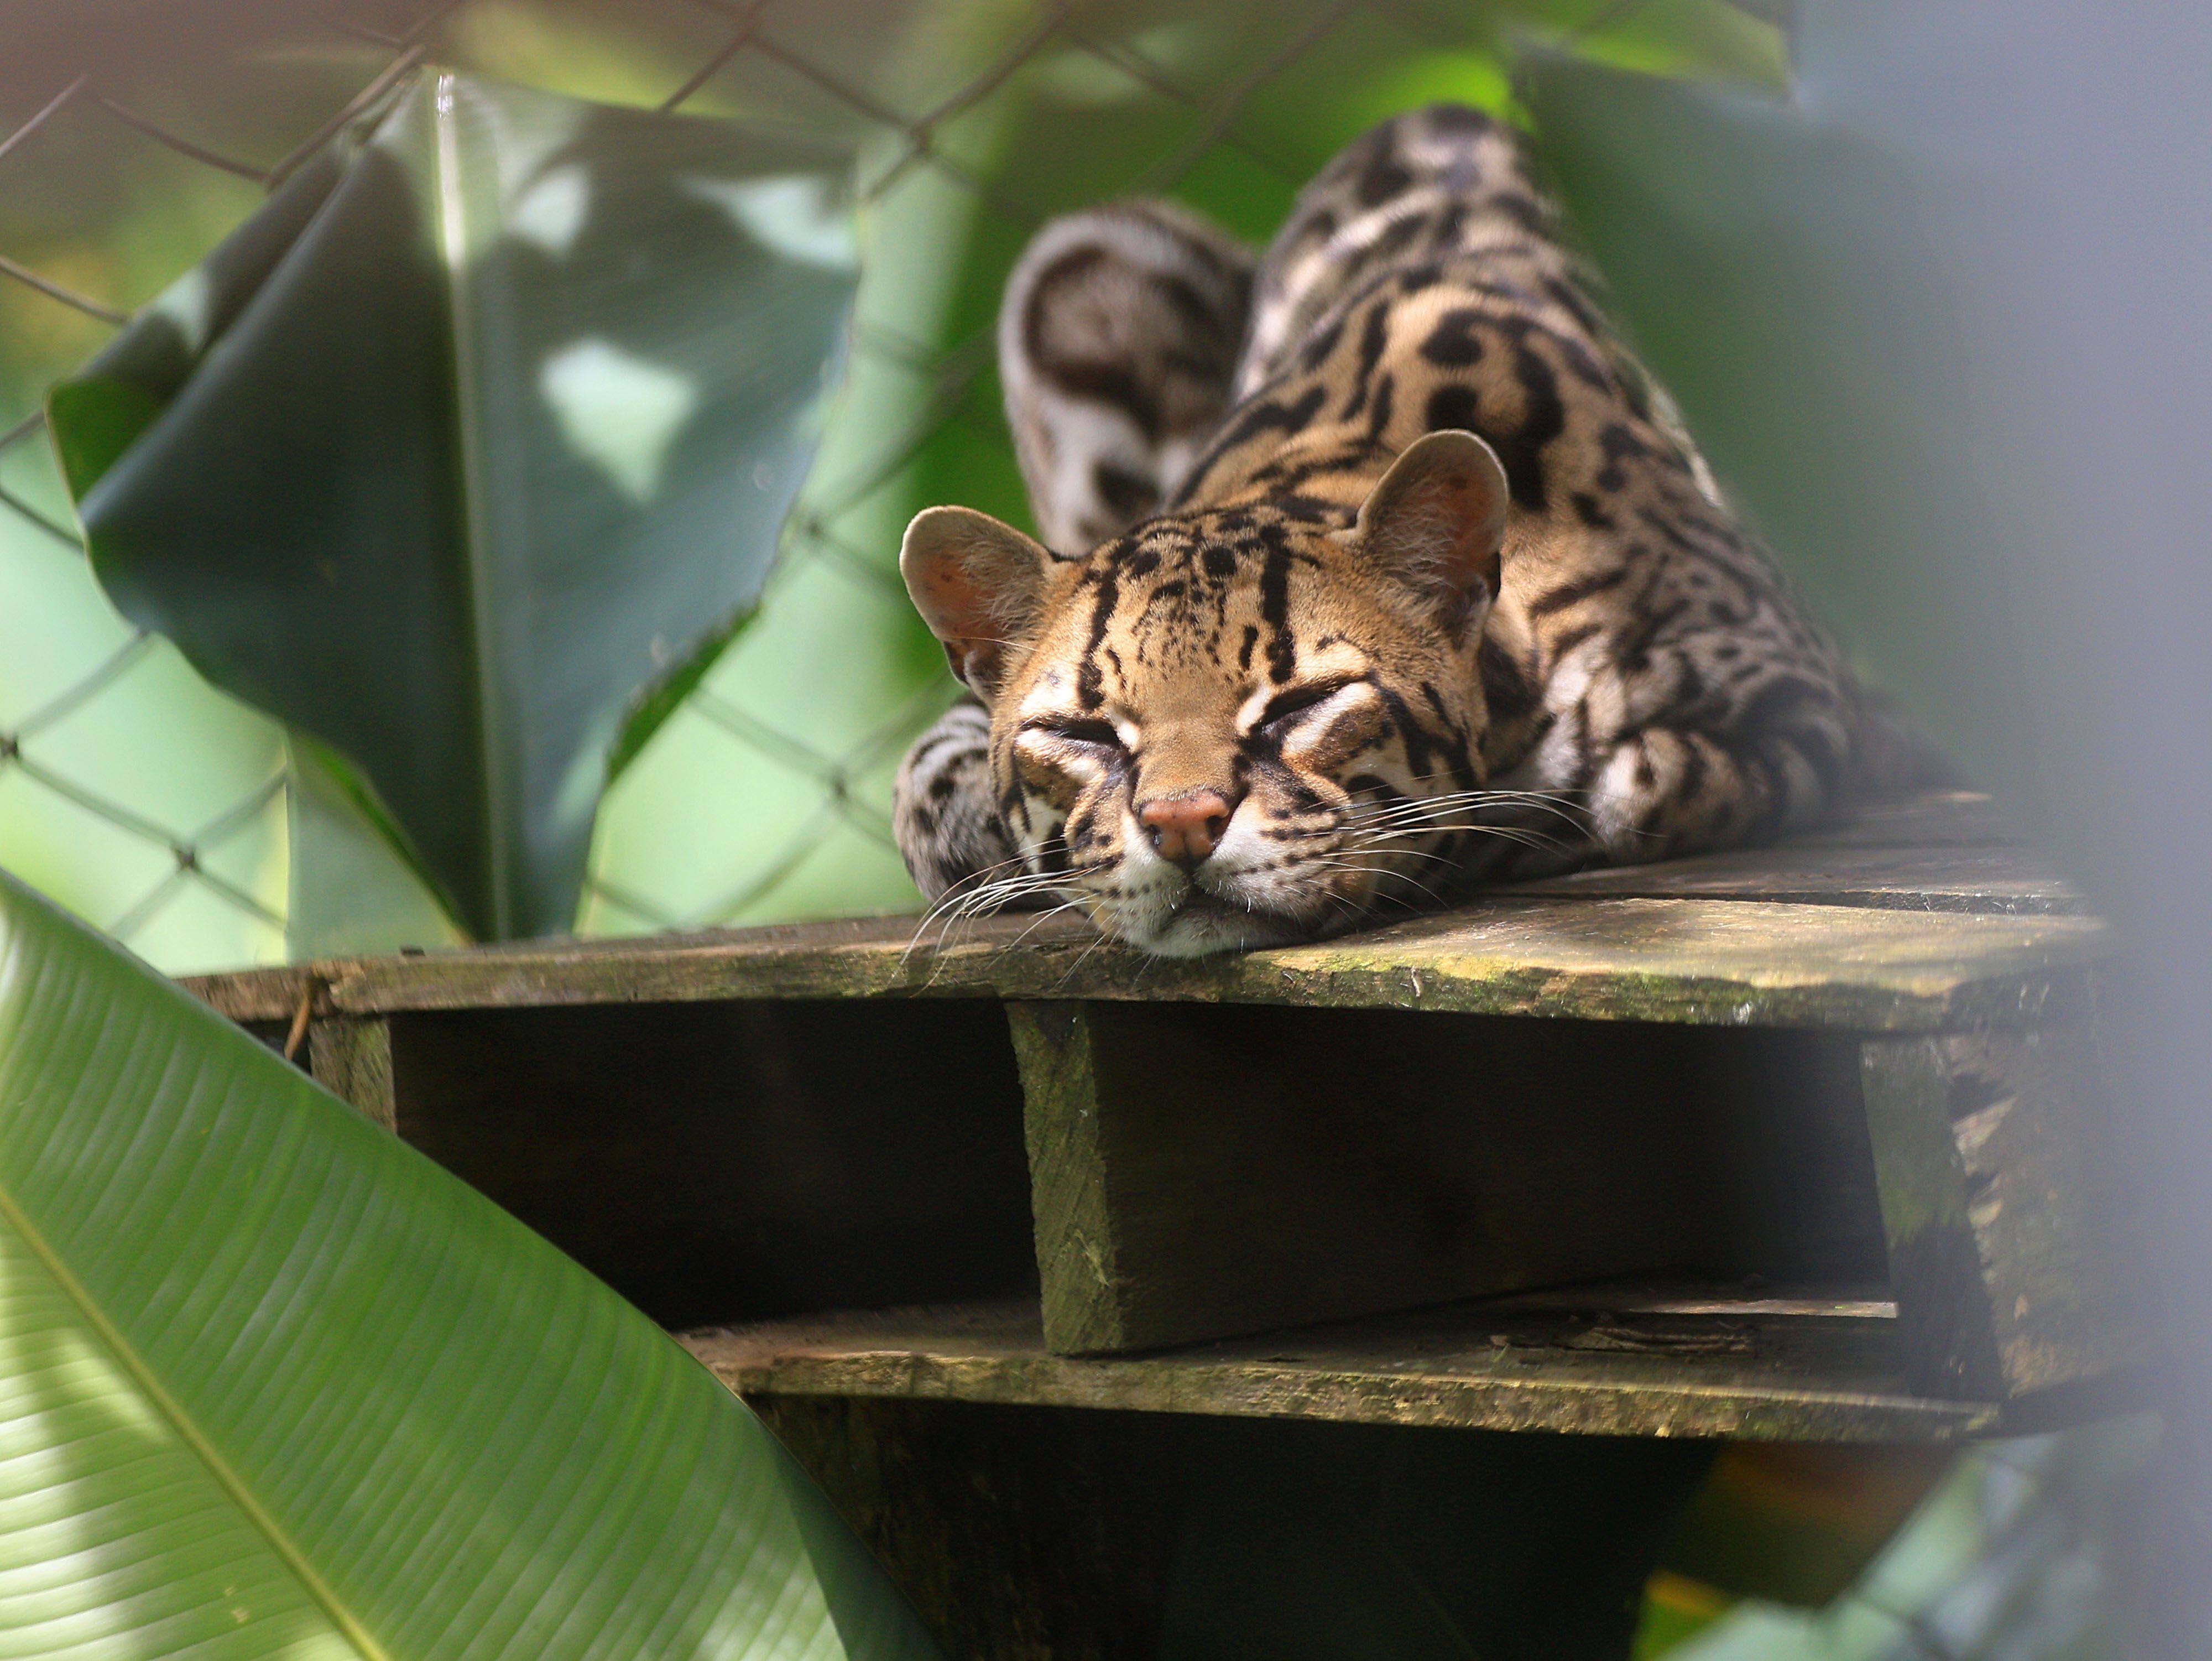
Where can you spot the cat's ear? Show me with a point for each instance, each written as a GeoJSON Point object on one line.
{"type": "Point", "coordinates": [1435, 524]}
{"type": "Point", "coordinates": [977, 584]}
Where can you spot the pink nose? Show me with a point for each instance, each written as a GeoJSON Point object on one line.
{"type": "Point", "coordinates": [1187, 828]}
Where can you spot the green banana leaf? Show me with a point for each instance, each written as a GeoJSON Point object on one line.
{"type": "Point", "coordinates": [273, 1384]}
{"type": "Point", "coordinates": [469, 449]}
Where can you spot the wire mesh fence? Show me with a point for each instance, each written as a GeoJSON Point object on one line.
{"type": "Point", "coordinates": [930, 97]}
{"type": "Point", "coordinates": [972, 123]}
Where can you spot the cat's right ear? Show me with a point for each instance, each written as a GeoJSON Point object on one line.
{"type": "Point", "coordinates": [977, 584]}
{"type": "Point", "coordinates": [1435, 524]}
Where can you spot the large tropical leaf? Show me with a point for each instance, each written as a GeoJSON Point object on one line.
{"type": "Point", "coordinates": [273, 1384]}
{"type": "Point", "coordinates": [475, 440]}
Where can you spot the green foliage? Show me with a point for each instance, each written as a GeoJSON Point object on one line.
{"type": "Point", "coordinates": [277, 1385]}
{"type": "Point", "coordinates": [475, 438]}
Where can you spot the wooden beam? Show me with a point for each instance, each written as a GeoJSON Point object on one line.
{"type": "Point", "coordinates": [1931, 818]}
{"type": "Point", "coordinates": [1197, 1173]}
{"type": "Point", "coordinates": [1993, 1204]}
{"type": "Point", "coordinates": [1998, 879]}
{"type": "Point", "coordinates": [352, 1059]}
{"type": "Point", "coordinates": [1074, 1203]}
{"type": "Point", "coordinates": [1795, 1378]}
{"type": "Point", "coordinates": [1716, 962]}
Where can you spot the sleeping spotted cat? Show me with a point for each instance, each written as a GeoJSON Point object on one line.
{"type": "Point", "coordinates": [1375, 568]}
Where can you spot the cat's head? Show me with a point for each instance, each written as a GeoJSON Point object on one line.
{"type": "Point", "coordinates": [1235, 727]}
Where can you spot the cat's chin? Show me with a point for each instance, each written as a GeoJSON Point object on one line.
{"type": "Point", "coordinates": [1205, 924]}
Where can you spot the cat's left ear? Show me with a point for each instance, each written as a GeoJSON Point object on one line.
{"type": "Point", "coordinates": [1435, 524]}
{"type": "Point", "coordinates": [978, 585]}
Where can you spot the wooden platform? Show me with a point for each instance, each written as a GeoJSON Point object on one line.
{"type": "Point", "coordinates": [1910, 936]}
{"type": "Point", "coordinates": [1906, 1093]}
{"type": "Point", "coordinates": [1056, 1265]}
{"type": "Point", "coordinates": [1724, 1364]}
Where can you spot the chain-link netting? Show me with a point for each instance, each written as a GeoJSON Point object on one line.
{"type": "Point", "coordinates": [768, 794]}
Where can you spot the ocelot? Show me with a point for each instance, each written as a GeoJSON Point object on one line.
{"type": "Point", "coordinates": [1372, 569]}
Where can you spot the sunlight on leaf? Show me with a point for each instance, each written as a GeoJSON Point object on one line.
{"type": "Point", "coordinates": [796, 217]}
{"type": "Point", "coordinates": [534, 383]}
{"type": "Point", "coordinates": [619, 410]}
{"type": "Point", "coordinates": [551, 211]}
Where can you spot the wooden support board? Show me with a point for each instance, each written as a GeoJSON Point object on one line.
{"type": "Point", "coordinates": [1723, 962]}
{"type": "Point", "coordinates": [1794, 1372]}
{"type": "Point", "coordinates": [352, 1059]}
{"type": "Point", "coordinates": [1986, 1159]}
{"type": "Point", "coordinates": [1998, 879]}
{"type": "Point", "coordinates": [1196, 1172]}
{"type": "Point", "coordinates": [1919, 916]}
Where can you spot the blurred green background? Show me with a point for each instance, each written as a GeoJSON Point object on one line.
{"type": "Point", "coordinates": [165, 812]}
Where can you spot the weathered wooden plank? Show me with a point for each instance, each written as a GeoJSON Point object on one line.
{"type": "Point", "coordinates": [1197, 1172]}
{"type": "Point", "coordinates": [1944, 1310]}
{"type": "Point", "coordinates": [1788, 1379]}
{"type": "Point", "coordinates": [352, 1059]}
{"type": "Point", "coordinates": [1993, 1202]}
{"type": "Point", "coordinates": [1995, 879]}
{"type": "Point", "coordinates": [1734, 963]}
{"type": "Point", "coordinates": [1074, 1206]}
{"type": "Point", "coordinates": [1935, 818]}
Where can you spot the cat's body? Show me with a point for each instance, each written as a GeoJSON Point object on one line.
{"type": "Point", "coordinates": [1330, 652]}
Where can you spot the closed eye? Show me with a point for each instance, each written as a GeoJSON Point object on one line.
{"type": "Point", "coordinates": [1098, 734]}
{"type": "Point", "coordinates": [1285, 708]}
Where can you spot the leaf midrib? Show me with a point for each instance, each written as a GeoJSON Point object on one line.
{"type": "Point", "coordinates": [188, 1431]}
{"type": "Point", "coordinates": [452, 235]}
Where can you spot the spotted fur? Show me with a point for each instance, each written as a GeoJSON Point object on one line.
{"type": "Point", "coordinates": [1117, 340]}
{"type": "Point", "coordinates": [1422, 585]}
